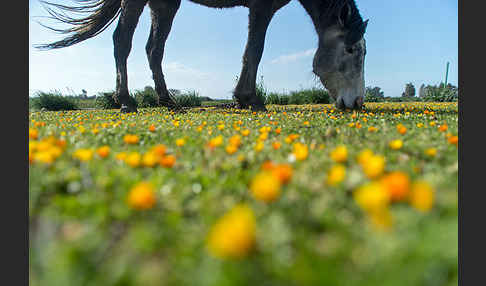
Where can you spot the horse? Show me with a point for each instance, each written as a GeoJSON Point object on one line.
{"type": "Point", "coordinates": [338, 60]}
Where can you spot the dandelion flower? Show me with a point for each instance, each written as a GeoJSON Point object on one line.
{"type": "Point", "coordinates": [300, 151]}
{"type": "Point", "coordinates": [374, 166]}
{"type": "Point", "coordinates": [142, 196]}
{"type": "Point", "coordinates": [233, 235]}
{"type": "Point", "coordinates": [336, 175]}
{"type": "Point", "coordinates": [396, 144]}
{"type": "Point", "coordinates": [422, 196]}
{"type": "Point", "coordinates": [265, 187]}
{"type": "Point", "coordinates": [372, 197]}
{"type": "Point", "coordinates": [339, 154]}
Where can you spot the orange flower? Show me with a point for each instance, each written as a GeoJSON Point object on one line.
{"type": "Point", "coordinates": [168, 161]}
{"type": "Point", "coordinates": [131, 139]}
{"type": "Point", "coordinates": [245, 132]}
{"type": "Point", "coordinates": [397, 184]}
{"type": "Point", "coordinates": [142, 196]}
{"type": "Point", "coordinates": [235, 140]}
{"type": "Point", "coordinates": [283, 172]}
{"type": "Point", "coordinates": [230, 149]}
{"type": "Point", "coordinates": [453, 140]}
{"type": "Point", "coordinates": [159, 150]}
{"type": "Point", "coordinates": [152, 128]}
{"type": "Point", "coordinates": [401, 129]}
{"type": "Point", "coordinates": [443, 128]}
{"type": "Point", "coordinates": [33, 133]}
{"type": "Point", "coordinates": [276, 145]}
{"type": "Point", "coordinates": [268, 165]}
{"type": "Point", "coordinates": [103, 151]}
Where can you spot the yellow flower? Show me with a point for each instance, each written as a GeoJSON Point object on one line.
{"type": "Point", "coordinates": [44, 157]}
{"type": "Point", "coordinates": [336, 175]}
{"type": "Point", "coordinates": [265, 187]}
{"type": "Point", "coordinates": [83, 154]}
{"type": "Point", "coordinates": [133, 159]}
{"type": "Point", "coordinates": [431, 152]}
{"type": "Point", "coordinates": [103, 151]}
{"type": "Point", "coordinates": [396, 144]}
{"type": "Point", "coordinates": [259, 146]}
{"type": "Point", "coordinates": [230, 149]}
{"type": "Point", "coordinates": [216, 141]}
{"type": "Point", "coordinates": [397, 185]}
{"type": "Point", "coordinates": [245, 132]}
{"type": "Point", "coordinates": [372, 129]}
{"type": "Point", "coordinates": [121, 156]}
{"type": "Point", "coordinates": [339, 154]}
{"type": "Point", "coordinates": [180, 142]}
{"type": "Point", "coordinates": [150, 159]}
{"type": "Point", "coordinates": [372, 197]}
{"type": "Point", "coordinates": [233, 235]}
{"type": "Point", "coordinates": [422, 196]}
{"type": "Point", "coordinates": [381, 219]}
{"type": "Point", "coordinates": [300, 151]}
{"type": "Point", "coordinates": [364, 156]}
{"type": "Point", "coordinates": [374, 166]}
{"type": "Point", "coordinates": [142, 196]}
{"type": "Point", "coordinates": [131, 139]}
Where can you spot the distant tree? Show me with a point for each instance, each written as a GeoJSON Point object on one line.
{"type": "Point", "coordinates": [85, 93]}
{"type": "Point", "coordinates": [422, 91]}
{"type": "Point", "coordinates": [175, 92]}
{"type": "Point", "coordinates": [409, 90]}
{"type": "Point", "coordinates": [374, 94]}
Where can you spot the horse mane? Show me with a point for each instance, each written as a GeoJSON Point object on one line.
{"type": "Point", "coordinates": [332, 10]}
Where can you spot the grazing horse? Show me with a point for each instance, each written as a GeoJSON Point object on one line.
{"type": "Point", "coordinates": [338, 61]}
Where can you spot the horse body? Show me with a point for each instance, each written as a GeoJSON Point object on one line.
{"type": "Point", "coordinates": [338, 62]}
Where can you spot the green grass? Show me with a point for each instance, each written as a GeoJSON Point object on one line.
{"type": "Point", "coordinates": [83, 232]}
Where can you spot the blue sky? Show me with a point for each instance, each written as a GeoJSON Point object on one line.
{"type": "Point", "coordinates": [407, 41]}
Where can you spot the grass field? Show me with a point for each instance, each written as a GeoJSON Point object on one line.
{"type": "Point", "coordinates": [299, 195]}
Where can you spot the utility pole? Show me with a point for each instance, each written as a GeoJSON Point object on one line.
{"type": "Point", "coordinates": [447, 74]}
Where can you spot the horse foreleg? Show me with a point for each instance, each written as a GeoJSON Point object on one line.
{"type": "Point", "coordinates": [245, 92]}
{"type": "Point", "coordinates": [163, 13]}
{"type": "Point", "coordinates": [122, 40]}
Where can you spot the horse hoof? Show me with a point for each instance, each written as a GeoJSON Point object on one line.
{"type": "Point", "coordinates": [127, 109]}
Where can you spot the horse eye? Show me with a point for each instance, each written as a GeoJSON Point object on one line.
{"type": "Point", "coordinates": [349, 50]}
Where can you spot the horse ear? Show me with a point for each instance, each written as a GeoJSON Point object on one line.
{"type": "Point", "coordinates": [344, 14]}
{"type": "Point", "coordinates": [365, 24]}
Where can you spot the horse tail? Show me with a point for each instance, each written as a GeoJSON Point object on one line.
{"type": "Point", "coordinates": [101, 13]}
{"type": "Point", "coordinates": [221, 3]}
